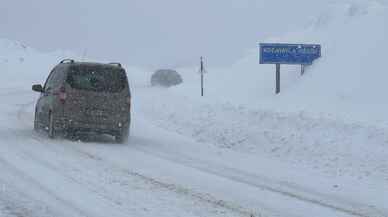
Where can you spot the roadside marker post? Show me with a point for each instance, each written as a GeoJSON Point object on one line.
{"type": "Point", "coordinates": [291, 54]}
{"type": "Point", "coordinates": [201, 76]}
{"type": "Point", "coordinates": [202, 71]}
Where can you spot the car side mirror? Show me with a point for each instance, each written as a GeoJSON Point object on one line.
{"type": "Point", "coordinates": [37, 88]}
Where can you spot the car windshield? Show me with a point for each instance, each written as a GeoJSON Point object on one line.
{"type": "Point", "coordinates": [97, 78]}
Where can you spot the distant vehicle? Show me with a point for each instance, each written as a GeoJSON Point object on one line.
{"type": "Point", "coordinates": [86, 97]}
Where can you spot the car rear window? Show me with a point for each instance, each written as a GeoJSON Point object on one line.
{"type": "Point", "coordinates": [97, 78]}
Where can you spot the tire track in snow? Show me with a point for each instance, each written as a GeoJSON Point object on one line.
{"type": "Point", "coordinates": [180, 190]}
{"type": "Point", "coordinates": [13, 203]}
{"type": "Point", "coordinates": [207, 198]}
{"type": "Point", "coordinates": [296, 193]}
{"type": "Point", "coordinates": [21, 202]}
{"type": "Point", "coordinates": [19, 176]}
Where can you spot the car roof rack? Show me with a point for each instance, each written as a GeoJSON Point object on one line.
{"type": "Point", "coordinates": [117, 64]}
{"type": "Point", "coordinates": [67, 61]}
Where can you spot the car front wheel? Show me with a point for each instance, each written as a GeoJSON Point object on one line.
{"type": "Point", "coordinates": [51, 129]}
{"type": "Point", "coordinates": [36, 125]}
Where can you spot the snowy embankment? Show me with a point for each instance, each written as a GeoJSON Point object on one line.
{"type": "Point", "coordinates": [21, 65]}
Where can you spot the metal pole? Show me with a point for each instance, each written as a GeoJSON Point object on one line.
{"type": "Point", "coordinates": [277, 79]}
{"type": "Point", "coordinates": [302, 69]}
{"type": "Point", "coordinates": [202, 71]}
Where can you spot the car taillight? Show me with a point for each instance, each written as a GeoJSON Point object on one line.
{"type": "Point", "coordinates": [62, 95]}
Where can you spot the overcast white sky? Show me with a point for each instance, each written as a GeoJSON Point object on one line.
{"type": "Point", "coordinates": [153, 33]}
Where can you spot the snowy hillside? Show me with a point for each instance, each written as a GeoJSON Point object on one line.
{"type": "Point", "coordinates": [349, 80]}
{"type": "Point", "coordinates": [22, 65]}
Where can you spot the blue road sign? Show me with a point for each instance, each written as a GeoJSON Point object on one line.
{"type": "Point", "coordinates": [301, 54]}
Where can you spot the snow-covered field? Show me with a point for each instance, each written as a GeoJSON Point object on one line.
{"type": "Point", "coordinates": [319, 149]}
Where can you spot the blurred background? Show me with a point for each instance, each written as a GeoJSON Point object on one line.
{"type": "Point", "coordinates": [151, 33]}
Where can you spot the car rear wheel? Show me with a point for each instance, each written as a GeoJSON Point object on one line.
{"type": "Point", "coordinates": [122, 136]}
{"type": "Point", "coordinates": [51, 129]}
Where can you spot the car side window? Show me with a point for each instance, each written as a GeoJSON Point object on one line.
{"type": "Point", "coordinates": [54, 80]}
{"type": "Point", "coordinates": [49, 82]}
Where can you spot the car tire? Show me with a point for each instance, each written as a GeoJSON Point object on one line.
{"type": "Point", "coordinates": [122, 136]}
{"type": "Point", "coordinates": [51, 128]}
{"type": "Point", "coordinates": [36, 124]}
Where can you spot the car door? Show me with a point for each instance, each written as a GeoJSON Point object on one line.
{"type": "Point", "coordinates": [46, 98]}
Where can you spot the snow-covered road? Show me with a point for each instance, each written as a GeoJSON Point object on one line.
{"type": "Point", "coordinates": [40, 177]}
{"type": "Point", "coordinates": [158, 173]}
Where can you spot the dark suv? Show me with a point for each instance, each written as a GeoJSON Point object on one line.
{"type": "Point", "coordinates": [86, 97]}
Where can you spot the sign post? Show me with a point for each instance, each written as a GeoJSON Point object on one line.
{"type": "Point", "coordinates": [294, 54]}
{"type": "Point", "coordinates": [202, 71]}
{"type": "Point", "coordinates": [277, 78]}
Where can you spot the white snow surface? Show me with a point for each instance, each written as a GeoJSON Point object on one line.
{"type": "Point", "coordinates": [317, 149]}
